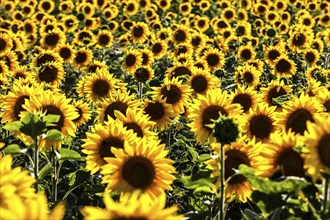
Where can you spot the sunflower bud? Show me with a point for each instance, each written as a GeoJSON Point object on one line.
{"type": "Point", "coordinates": [225, 130]}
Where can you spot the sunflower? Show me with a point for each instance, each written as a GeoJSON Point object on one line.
{"type": "Point", "coordinates": [228, 14]}
{"type": "Point", "coordinates": [66, 52]}
{"type": "Point", "coordinates": [248, 75]}
{"type": "Point", "coordinates": [311, 56]}
{"type": "Point", "coordinates": [159, 112]}
{"type": "Point", "coordinates": [84, 38]}
{"type": "Point", "coordinates": [272, 53]}
{"type": "Point", "coordinates": [131, 207]}
{"type": "Point", "coordinates": [13, 101]}
{"type": "Point", "coordinates": [158, 48]}
{"type": "Point", "coordinates": [296, 112]}
{"type": "Point", "coordinates": [66, 7]}
{"type": "Point", "coordinates": [46, 6]}
{"type": "Point", "coordinates": [242, 15]}
{"type": "Point", "coordinates": [300, 37]}
{"type": "Point", "coordinates": [132, 60]}
{"type": "Point", "coordinates": [88, 9]}
{"type": "Point", "coordinates": [175, 94]}
{"type": "Point", "coordinates": [284, 67]}
{"type": "Point", "coordinates": [84, 112]}
{"type": "Point", "coordinates": [261, 122]}
{"type": "Point", "coordinates": [5, 43]}
{"type": "Point", "coordinates": [280, 155]}
{"type": "Point", "coordinates": [139, 32]}
{"type": "Point", "coordinates": [121, 101]}
{"type": "Point", "coordinates": [70, 23]}
{"type": "Point", "coordinates": [163, 4]}
{"type": "Point", "coordinates": [202, 24]}
{"type": "Point", "coordinates": [82, 57]}
{"type": "Point", "coordinates": [44, 57]}
{"type": "Point", "coordinates": [113, 26]}
{"type": "Point", "coordinates": [274, 90]}
{"type": "Point", "coordinates": [247, 97]}
{"type": "Point", "coordinates": [324, 20]}
{"type": "Point", "coordinates": [214, 58]}
{"type": "Point", "coordinates": [20, 72]}
{"type": "Point", "coordinates": [98, 86]}
{"type": "Point", "coordinates": [93, 66]}
{"type": "Point", "coordinates": [201, 81]}
{"type": "Point", "coordinates": [260, 9]}
{"type": "Point", "coordinates": [21, 209]}
{"type": "Point", "coordinates": [324, 98]}
{"type": "Point", "coordinates": [104, 38]}
{"type": "Point", "coordinates": [101, 139]}
{"type": "Point", "coordinates": [181, 34]}
{"type": "Point", "coordinates": [143, 74]}
{"type": "Point", "coordinates": [139, 166]}
{"type": "Point", "coordinates": [185, 8]}
{"type": "Point", "coordinates": [317, 139]}
{"type": "Point", "coordinates": [55, 104]}
{"type": "Point", "coordinates": [198, 39]}
{"type": "Point", "coordinates": [179, 69]}
{"type": "Point", "coordinates": [237, 153]}
{"type": "Point", "coordinates": [14, 182]}
{"type": "Point", "coordinates": [131, 8]}
{"type": "Point", "coordinates": [246, 53]}
{"type": "Point", "coordinates": [136, 122]}
{"type": "Point", "coordinates": [10, 59]}
{"type": "Point", "coordinates": [9, 7]}
{"type": "Point", "coordinates": [52, 73]}
{"type": "Point", "coordinates": [207, 108]}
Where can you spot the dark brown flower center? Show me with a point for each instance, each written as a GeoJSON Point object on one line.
{"type": "Point", "coordinates": [212, 60]}
{"type": "Point", "coordinates": [246, 54]}
{"type": "Point", "coordinates": [18, 106]}
{"type": "Point", "coordinates": [142, 74]}
{"type": "Point", "coordinates": [180, 35]}
{"type": "Point", "coordinates": [3, 44]}
{"type": "Point", "coordinates": [110, 110]}
{"type": "Point", "coordinates": [104, 39]}
{"type": "Point", "coordinates": [44, 58]}
{"type": "Point", "coordinates": [323, 149]}
{"type": "Point", "coordinates": [297, 120]}
{"type": "Point", "coordinates": [52, 39]}
{"type": "Point", "coordinates": [229, 14]}
{"type": "Point", "coordinates": [310, 57]}
{"type": "Point", "coordinates": [199, 84]}
{"type": "Point", "coordinates": [130, 60]}
{"type": "Point", "coordinates": [234, 158]}
{"type": "Point", "coordinates": [65, 53]}
{"type": "Point", "coordinates": [139, 172]}
{"type": "Point", "coordinates": [261, 126]}
{"type": "Point", "coordinates": [173, 95]}
{"type": "Point", "coordinates": [106, 144]}
{"type": "Point", "coordinates": [299, 40]}
{"type": "Point", "coordinates": [80, 113]}
{"type": "Point", "coordinates": [283, 66]}
{"type": "Point", "coordinates": [212, 112]}
{"type": "Point", "coordinates": [81, 57]}
{"type": "Point", "coordinates": [180, 71]}
{"type": "Point", "coordinates": [155, 110]}
{"type": "Point", "coordinates": [248, 77]}
{"type": "Point", "coordinates": [46, 6]}
{"type": "Point", "coordinates": [273, 54]}
{"type": "Point", "coordinates": [138, 32]}
{"type": "Point", "coordinates": [135, 127]}
{"type": "Point", "coordinates": [245, 100]}
{"type": "Point", "coordinates": [48, 74]}
{"type": "Point", "coordinates": [274, 93]}
{"type": "Point", "coordinates": [54, 110]}
{"type": "Point", "coordinates": [291, 162]}
{"type": "Point", "coordinates": [327, 105]}
{"type": "Point", "coordinates": [100, 87]}
{"type": "Point", "coordinates": [157, 48]}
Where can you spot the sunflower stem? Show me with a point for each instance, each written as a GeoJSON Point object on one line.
{"type": "Point", "coordinates": [222, 182]}
{"type": "Point", "coordinates": [140, 90]}
{"type": "Point", "coordinates": [326, 182]}
{"type": "Point", "coordinates": [36, 161]}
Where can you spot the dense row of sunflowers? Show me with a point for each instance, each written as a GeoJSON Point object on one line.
{"type": "Point", "coordinates": [129, 81]}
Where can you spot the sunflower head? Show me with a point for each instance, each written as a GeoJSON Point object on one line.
{"type": "Point", "coordinates": [225, 130]}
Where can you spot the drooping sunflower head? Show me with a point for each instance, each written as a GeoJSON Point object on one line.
{"type": "Point", "coordinates": [296, 112]}
{"type": "Point", "coordinates": [208, 108]}
{"type": "Point", "coordinates": [141, 166]}
{"type": "Point", "coordinates": [280, 157]}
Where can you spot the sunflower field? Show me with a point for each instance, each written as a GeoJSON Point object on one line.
{"type": "Point", "coordinates": [164, 109]}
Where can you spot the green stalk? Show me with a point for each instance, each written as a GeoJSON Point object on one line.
{"type": "Point", "coordinates": [36, 161]}
{"type": "Point", "coordinates": [222, 183]}
{"type": "Point", "coordinates": [325, 193]}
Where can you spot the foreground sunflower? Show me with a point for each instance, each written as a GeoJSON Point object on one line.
{"type": "Point", "coordinates": [207, 108]}
{"type": "Point", "coordinates": [317, 139]}
{"type": "Point", "coordinates": [237, 153]}
{"type": "Point", "coordinates": [279, 155]}
{"type": "Point", "coordinates": [55, 104]}
{"type": "Point", "coordinates": [14, 182]}
{"type": "Point", "coordinates": [131, 207]}
{"type": "Point", "coordinates": [139, 166]}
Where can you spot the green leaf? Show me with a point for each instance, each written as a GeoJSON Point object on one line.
{"type": "Point", "coordinates": [32, 125]}
{"type": "Point", "coordinates": [203, 190]}
{"type": "Point", "coordinates": [67, 154]}
{"type": "Point", "coordinates": [204, 157]}
{"type": "Point", "coordinates": [54, 135]}
{"type": "Point", "coordinates": [289, 185]}
{"type": "Point", "coordinates": [13, 126]}
{"type": "Point", "coordinates": [251, 215]}
{"type": "Point", "coordinates": [13, 149]}
{"type": "Point", "coordinates": [51, 120]}
{"type": "Point", "coordinates": [194, 184]}
{"type": "Point", "coordinates": [45, 171]}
